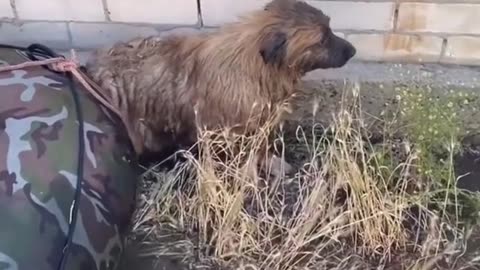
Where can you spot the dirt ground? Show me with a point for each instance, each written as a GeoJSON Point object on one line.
{"type": "Point", "coordinates": [377, 89]}
{"type": "Point", "coordinates": [134, 259]}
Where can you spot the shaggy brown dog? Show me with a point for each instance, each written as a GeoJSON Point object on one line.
{"type": "Point", "coordinates": [165, 87]}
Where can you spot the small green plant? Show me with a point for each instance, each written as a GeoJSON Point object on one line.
{"type": "Point", "coordinates": [433, 124]}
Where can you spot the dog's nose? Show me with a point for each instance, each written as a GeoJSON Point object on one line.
{"type": "Point", "coordinates": [349, 52]}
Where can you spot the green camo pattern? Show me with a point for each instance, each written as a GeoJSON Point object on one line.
{"type": "Point", "coordinates": [38, 165]}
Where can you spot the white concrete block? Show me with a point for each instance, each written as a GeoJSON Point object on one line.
{"type": "Point", "coordinates": [61, 10]}
{"type": "Point", "coordinates": [154, 11]}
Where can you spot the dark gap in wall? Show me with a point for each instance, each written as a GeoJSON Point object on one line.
{"type": "Point", "coordinates": [106, 11]}
{"type": "Point", "coordinates": [14, 9]}
{"type": "Point", "coordinates": [444, 49]}
{"type": "Point", "coordinates": [395, 15]}
{"type": "Point", "coordinates": [199, 9]}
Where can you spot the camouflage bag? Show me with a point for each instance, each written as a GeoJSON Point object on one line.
{"type": "Point", "coordinates": [67, 172]}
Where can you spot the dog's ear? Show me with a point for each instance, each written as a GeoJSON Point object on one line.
{"type": "Point", "coordinates": [273, 48]}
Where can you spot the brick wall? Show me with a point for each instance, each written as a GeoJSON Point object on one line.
{"type": "Point", "coordinates": [446, 31]}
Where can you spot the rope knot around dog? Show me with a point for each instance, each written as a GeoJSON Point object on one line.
{"type": "Point", "coordinates": [61, 64]}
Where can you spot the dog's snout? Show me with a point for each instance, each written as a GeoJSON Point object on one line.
{"type": "Point", "coordinates": [349, 52]}
{"type": "Point", "coordinates": [345, 49]}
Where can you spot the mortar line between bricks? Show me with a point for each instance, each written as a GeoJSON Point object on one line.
{"type": "Point", "coordinates": [70, 35]}
{"type": "Point", "coordinates": [199, 12]}
{"type": "Point", "coordinates": [106, 11]}
{"type": "Point", "coordinates": [395, 15]}
{"type": "Point", "coordinates": [443, 50]}
{"type": "Point", "coordinates": [167, 27]}
{"type": "Point", "coordinates": [13, 6]}
{"type": "Point", "coordinates": [7, 20]}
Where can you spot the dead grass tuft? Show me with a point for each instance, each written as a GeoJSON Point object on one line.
{"type": "Point", "coordinates": [352, 205]}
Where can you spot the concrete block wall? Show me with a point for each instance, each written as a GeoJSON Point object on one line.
{"type": "Point", "coordinates": [445, 31]}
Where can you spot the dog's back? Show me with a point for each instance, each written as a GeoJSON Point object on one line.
{"type": "Point", "coordinates": [145, 79]}
{"type": "Point", "coordinates": [220, 79]}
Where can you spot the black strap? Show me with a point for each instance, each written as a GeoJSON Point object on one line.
{"type": "Point", "coordinates": [36, 52]}
{"type": "Point", "coordinates": [78, 190]}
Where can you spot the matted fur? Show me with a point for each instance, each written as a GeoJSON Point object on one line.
{"type": "Point", "coordinates": [165, 87]}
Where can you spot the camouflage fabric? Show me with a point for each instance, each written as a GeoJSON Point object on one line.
{"type": "Point", "coordinates": [38, 165]}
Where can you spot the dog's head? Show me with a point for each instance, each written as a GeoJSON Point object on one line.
{"type": "Point", "coordinates": [299, 35]}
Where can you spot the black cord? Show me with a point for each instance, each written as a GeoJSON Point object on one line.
{"type": "Point", "coordinates": [35, 52]}
{"type": "Point", "coordinates": [78, 191]}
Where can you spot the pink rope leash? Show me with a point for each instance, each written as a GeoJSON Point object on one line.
{"type": "Point", "coordinates": [60, 64]}
{"type": "Point", "coordinates": [31, 64]}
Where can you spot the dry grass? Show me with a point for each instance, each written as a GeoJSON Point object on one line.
{"type": "Point", "coordinates": [347, 207]}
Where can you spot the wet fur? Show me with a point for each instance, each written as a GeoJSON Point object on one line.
{"type": "Point", "coordinates": [165, 87]}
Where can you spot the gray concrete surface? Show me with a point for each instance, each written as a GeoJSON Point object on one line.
{"type": "Point", "coordinates": [433, 74]}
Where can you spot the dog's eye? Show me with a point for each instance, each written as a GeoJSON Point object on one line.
{"type": "Point", "coordinates": [326, 36]}
{"type": "Point", "coordinates": [324, 39]}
